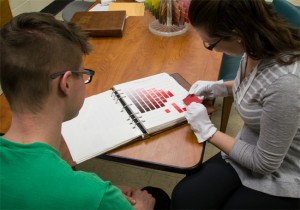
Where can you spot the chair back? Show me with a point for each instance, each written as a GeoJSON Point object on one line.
{"type": "Point", "coordinates": [288, 11]}
{"type": "Point", "coordinates": [5, 14]}
{"type": "Point", "coordinates": [229, 67]}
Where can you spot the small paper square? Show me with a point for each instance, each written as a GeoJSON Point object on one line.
{"type": "Point", "coordinates": [192, 98]}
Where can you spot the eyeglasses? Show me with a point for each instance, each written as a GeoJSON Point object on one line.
{"type": "Point", "coordinates": [87, 74]}
{"type": "Point", "coordinates": [211, 46]}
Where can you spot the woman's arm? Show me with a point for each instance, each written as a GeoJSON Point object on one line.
{"type": "Point", "coordinates": [223, 141]}
{"type": "Point", "coordinates": [229, 85]}
{"type": "Point", "coordinates": [279, 122]}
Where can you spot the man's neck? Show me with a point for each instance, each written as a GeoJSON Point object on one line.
{"type": "Point", "coordinates": [27, 128]}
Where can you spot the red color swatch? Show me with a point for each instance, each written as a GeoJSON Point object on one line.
{"type": "Point", "coordinates": [192, 98]}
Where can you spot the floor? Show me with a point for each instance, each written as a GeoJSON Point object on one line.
{"type": "Point", "coordinates": [138, 177]}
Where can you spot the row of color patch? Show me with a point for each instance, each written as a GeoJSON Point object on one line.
{"type": "Point", "coordinates": [147, 100]}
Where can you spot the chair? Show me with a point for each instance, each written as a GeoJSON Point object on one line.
{"type": "Point", "coordinates": [73, 7]}
{"type": "Point", "coordinates": [5, 14]}
{"type": "Point", "coordinates": [228, 70]}
{"type": "Point", "coordinates": [229, 64]}
{"type": "Point", "coordinates": [288, 11]}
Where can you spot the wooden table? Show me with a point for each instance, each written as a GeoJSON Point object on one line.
{"type": "Point", "coordinates": [139, 53]}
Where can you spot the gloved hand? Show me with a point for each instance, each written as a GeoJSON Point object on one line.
{"type": "Point", "coordinates": [209, 89]}
{"type": "Point", "coordinates": [197, 117]}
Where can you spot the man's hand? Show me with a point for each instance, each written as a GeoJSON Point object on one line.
{"type": "Point", "coordinates": [209, 89]}
{"type": "Point", "coordinates": [144, 200]}
{"type": "Point", "coordinates": [139, 199]}
{"type": "Point", "coordinates": [127, 192]}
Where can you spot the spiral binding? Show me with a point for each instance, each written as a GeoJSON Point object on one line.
{"type": "Point", "coordinates": [133, 118]}
{"type": "Point", "coordinates": [123, 107]}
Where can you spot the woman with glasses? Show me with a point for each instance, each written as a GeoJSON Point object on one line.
{"type": "Point", "coordinates": [260, 167]}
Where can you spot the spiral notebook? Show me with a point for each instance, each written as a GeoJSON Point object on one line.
{"type": "Point", "coordinates": [129, 111]}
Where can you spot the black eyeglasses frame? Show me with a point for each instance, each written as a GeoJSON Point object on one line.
{"type": "Point", "coordinates": [88, 72]}
{"type": "Point", "coordinates": [213, 45]}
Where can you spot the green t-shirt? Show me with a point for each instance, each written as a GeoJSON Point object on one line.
{"type": "Point", "coordinates": [33, 176]}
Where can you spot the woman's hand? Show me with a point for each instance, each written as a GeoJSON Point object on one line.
{"type": "Point", "coordinates": [209, 89]}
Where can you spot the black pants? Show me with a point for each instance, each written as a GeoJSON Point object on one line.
{"type": "Point", "coordinates": [162, 199]}
{"type": "Point", "coordinates": [216, 185]}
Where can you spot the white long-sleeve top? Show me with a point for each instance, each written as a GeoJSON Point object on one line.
{"type": "Point", "coordinates": [266, 154]}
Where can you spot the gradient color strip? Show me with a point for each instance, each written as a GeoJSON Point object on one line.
{"type": "Point", "coordinates": [156, 98]}
{"type": "Point", "coordinates": [139, 92]}
{"type": "Point", "coordinates": [164, 94]}
{"type": "Point", "coordinates": [140, 101]}
{"type": "Point", "coordinates": [149, 97]}
{"type": "Point", "coordinates": [169, 93]}
{"type": "Point", "coordinates": [135, 103]}
{"type": "Point", "coordinates": [159, 95]}
{"type": "Point", "coordinates": [177, 108]}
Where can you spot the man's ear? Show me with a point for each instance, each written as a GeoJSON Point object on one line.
{"type": "Point", "coordinates": [65, 83]}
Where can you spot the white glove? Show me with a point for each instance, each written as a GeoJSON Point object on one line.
{"type": "Point", "coordinates": [209, 89]}
{"type": "Point", "coordinates": [197, 117]}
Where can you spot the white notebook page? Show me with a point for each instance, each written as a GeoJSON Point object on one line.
{"type": "Point", "coordinates": [157, 100]}
{"type": "Point", "coordinates": [99, 127]}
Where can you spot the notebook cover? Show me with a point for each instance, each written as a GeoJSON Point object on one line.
{"type": "Point", "coordinates": [99, 24]}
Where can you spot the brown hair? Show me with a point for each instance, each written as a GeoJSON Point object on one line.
{"type": "Point", "coordinates": [32, 46]}
{"type": "Point", "coordinates": [263, 33]}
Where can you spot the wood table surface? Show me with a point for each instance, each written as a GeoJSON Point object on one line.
{"type": "Point", "coordinates": [138, 54]}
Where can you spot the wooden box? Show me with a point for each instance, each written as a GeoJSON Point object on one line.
{"type": "Point", "coordinates": [101, 24]}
